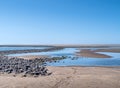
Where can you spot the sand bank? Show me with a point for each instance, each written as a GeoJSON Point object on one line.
{"type": "Point", "coordinates": [90, 53]}
{"type": "Point", "coordinates": [68, 77]}
{"type": "Point", "coordinates": [108, 50]}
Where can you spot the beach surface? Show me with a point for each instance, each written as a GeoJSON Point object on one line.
{"type": "Point", "coordinates": [67, 77]}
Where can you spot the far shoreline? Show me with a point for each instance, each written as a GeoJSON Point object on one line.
{"type": "Point", "coordinates": [61, 45]}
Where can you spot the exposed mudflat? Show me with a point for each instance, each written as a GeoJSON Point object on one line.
{"type": "Point", "coordinates": [90, 53]}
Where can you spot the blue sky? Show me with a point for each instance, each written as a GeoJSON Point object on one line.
{"type": "Point", "coordinates": [59, 21]}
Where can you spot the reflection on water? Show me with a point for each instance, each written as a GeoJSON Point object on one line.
{"type": "Point", "coordinates": [114, 55]}
{"type": "Point", "coordinates": [87, 62]}
{"type": "Point", "coordinates": [80, 61]}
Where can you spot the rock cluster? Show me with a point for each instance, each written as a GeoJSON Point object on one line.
{"type": "Point", "coordinates": [32, 67]}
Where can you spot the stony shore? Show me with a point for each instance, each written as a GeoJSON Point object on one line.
{"type": "Point", "coordinates": [20, 65]}
{"type": "Point", "coordinates": [26, 67]}
{"type": "Point", "coordinates": [33, 67]}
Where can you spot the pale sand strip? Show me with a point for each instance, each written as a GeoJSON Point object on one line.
{"type": "Point", "coordinates": [33, 56]}
{"type": "Point", "coordinates": [68, 77]}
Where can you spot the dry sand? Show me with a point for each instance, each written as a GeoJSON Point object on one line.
{"type": "Point", "coordinates": [68, 77]}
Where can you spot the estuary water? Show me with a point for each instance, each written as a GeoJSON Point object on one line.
{"type": "Point", "coordinates": [77, 61]}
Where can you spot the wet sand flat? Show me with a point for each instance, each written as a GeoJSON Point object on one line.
{"type": "Point", "coordinates": [68, 77]}
{"type": "Point", "coordinates": [90, 53]}
{"type": "Point", "coordinates": [108, 50]}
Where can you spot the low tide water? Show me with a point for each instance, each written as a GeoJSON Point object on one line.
{"type": "Point", "coordinates": [87, 61]}
{"type": "Point", "coordinates": [78, 61]}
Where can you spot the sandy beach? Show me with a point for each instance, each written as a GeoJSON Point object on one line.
{"type": "Point", "coordinates": [67, 77]}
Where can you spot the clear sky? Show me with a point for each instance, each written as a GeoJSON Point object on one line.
{"type": "Point", "coordinates": [59, 21]}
